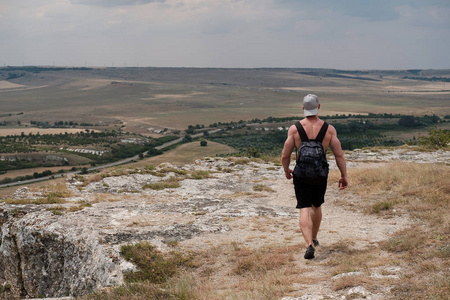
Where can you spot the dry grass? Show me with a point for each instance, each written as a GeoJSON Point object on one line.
{"type": "Point", "coordinates": [81, 204]}
{"type": "Point", "coordinates": [263, 188]}
{"type": "Point", "coordinates": [158, 275]}
{"type": "Point", "coordinates": [261, 261]}
{"type": "Point", "coordinates": [349, 282]}
{"type": "Point", "coordinates": [247, 273]}
{"type": "Point", "coordinates": [58, 188]}
{"type": "Point", "coordinates": [199, 175]}
{"type": "Point", "coordinates": [169, 183]}
{"type": "Point", "coordinates": [53, 193]}
{"type": "Point", "coordinates": [422, 191]}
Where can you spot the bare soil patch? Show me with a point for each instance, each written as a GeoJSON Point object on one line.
{"type": "Point", "coordinates": [28, 130]}
{"type": "Point", "coordinates": [9, 85]}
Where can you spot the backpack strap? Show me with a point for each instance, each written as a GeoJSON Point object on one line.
{"type": "Point", "coordinates": [304, 137]}
{"type": "Point", "coordinates": [322, 132]}
{"type": "Point", "coordinates": [301, 132]}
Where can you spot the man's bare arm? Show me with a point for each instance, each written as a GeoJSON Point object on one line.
{"type": "Point", "coordinates": [336, 148]}
{"type": "Point", "coordinates": [289, 145]}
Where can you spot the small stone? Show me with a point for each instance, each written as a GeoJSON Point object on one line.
{"type": "Point", "coordinates": [376, 275]}
{"type": "Point", "coordinates": [347, 274]}
{"type": "Point", "coordinates": [359, 290]}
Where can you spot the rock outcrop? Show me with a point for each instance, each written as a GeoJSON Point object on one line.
{"type": "Point", "coordinates": [75, 253]}
{"type": "Point", "coordinates": [43, 256]}
{"type": "Point", "coordinates": [52, 250]}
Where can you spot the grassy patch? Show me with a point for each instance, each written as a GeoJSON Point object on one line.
{"type": "Point", "coordinates": [54, 194]}
{"type": "Point", "coordinates": [152, 265]}
{"type": "Point", "coordinates": [81, 204]}
{"type": "Point", "coordinates": [241, 161]}
{"type": "Point", "coordinates": [199, 175]}
{"type": "Point", "coordinates": [52, 198]}
{"type": "Point", "coordinates": [170, 183]}
{"type": "Point", "coordinates": [262, 188]}
{"type": "Point", "coordinates": [177, 171]}
{"type": "Point", "coordinates": [264, 273]}
{"type": "Point", "coordinates": [381, 206]}
{"type": "Point", "coordinates": [59, 210]}
{"type": "Point", "coordinates": [87, 179]}
{"type": "Point", "coordinates": [159, 276]}
{"type": "Point", "coordinates": [19, 201]}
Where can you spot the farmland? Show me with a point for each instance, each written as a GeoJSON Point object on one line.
{"type": "Point", "coordinates": [80, 113]}
{"type": "Point", "coordinates": [158, 98]}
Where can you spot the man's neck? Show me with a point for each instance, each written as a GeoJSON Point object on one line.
{"type": "Point", "coordinates": [313, 119]}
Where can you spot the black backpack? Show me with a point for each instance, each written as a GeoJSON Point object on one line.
{"type": "Point", "coordinates": [312, 165]}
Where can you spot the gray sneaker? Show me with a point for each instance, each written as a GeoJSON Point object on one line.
{"type": "Point", "coordinates": [316, 243]}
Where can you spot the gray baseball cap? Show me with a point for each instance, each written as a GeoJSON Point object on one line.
{"type": "Point", "coordinates": [311, 105]}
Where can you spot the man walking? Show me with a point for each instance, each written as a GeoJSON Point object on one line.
{"type": "Point", "coordinates": [310, 193]}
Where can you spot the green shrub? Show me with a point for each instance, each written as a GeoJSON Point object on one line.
{"type": "Point", "coordinates": [437, 138]}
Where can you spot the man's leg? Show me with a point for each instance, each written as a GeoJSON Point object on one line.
{"type": "Point", "coordinates": [310, 219]}
{"type": "Point", "coordinates": [306, 225]}
{"type": "Point", "coordinates": [316, 217]}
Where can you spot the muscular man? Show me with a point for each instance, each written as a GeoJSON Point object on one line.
{"type": "Point", "coordinates": [310, 197]}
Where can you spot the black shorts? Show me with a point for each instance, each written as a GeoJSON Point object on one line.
{"type": "Point", "coordinates": [309, 195]}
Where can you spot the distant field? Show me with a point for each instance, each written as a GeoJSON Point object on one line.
{"type": "Point", "coordinates": [185, 154]}
{"type": "Point", "coordinates": [28, 130]}
{"type": "Point", "coordinates": [144, 98]}
{"type": "Point", "coordinates": [23, 172]}
{"type": "Point", "coordinates": [8, 85]}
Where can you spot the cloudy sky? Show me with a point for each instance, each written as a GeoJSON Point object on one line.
{"type": "Point", "coordinates": [344, 34]}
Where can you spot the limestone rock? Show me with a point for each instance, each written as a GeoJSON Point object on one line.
{"type": "Point", "coordinates": [78, 252]}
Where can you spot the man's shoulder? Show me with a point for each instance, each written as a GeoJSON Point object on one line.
{"type": "Point", "coordinates": [331, 129]}
{"type": "Point", "coordinates": [292, 129]}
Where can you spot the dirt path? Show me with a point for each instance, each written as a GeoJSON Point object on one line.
{"type": "Point", "coordinates": [344, 229]}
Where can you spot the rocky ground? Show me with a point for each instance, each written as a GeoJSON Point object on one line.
{"type": "Point", "coordinates": [220, 201]}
